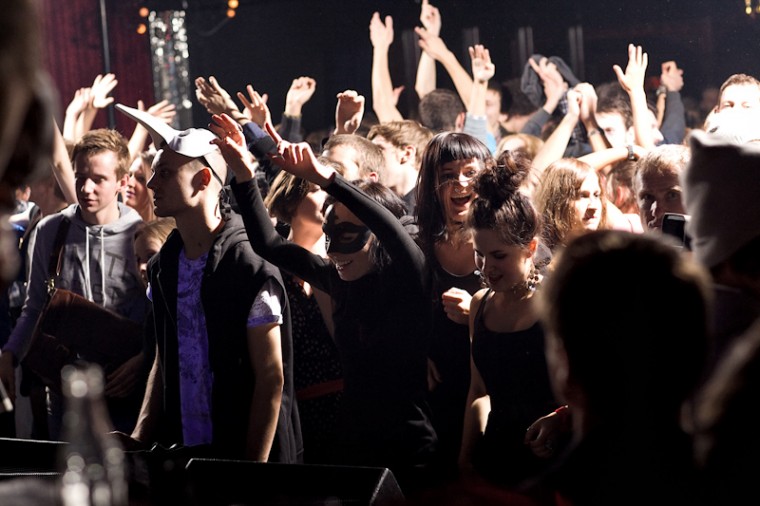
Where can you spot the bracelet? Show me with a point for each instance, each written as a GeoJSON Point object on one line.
{"type": "Point", "coordinates": [591, 132]}
{"type": "Point", "coordinates": [662, 90]}
{"type": "Point", "coordinates": [631, 154]}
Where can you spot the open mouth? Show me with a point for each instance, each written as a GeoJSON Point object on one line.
{"type": "Point", "coordinates": [461, 201]}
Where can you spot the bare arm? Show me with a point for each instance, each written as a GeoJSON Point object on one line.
{"type": "Point", "coordinates": [436, 48]}
{"type": "Point", "coordinates": [588, 116]}
{"type": "Point", "coordinates": [425, 82]}
{"type": "Point", "coordinates": [483, 69]}
{"type": "Point", "coordinates": [600, 160]}
{"type": "Point", "coordinates": [265, 353]}
{"type": "Point", "coordinates": [632, 82]}
{"type": "Point", "coordinates": [101, 87]}
{"type": "Point", "coordinates": [384, 97]}
{"type": "Point", "coordinates": [147, 422]}
{"type": "Point", "coordinates": [554, 147]}
{"type": "Point", "coordinates": [62, 168]}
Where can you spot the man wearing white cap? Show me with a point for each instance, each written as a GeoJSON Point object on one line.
{"type": "Point", "coordinates": [721, 186]}
{"type": "Point", "coordinates": [223, 370]}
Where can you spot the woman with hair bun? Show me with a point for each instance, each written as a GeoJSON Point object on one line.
{"type": "Point", "coordinates": [509, 386]}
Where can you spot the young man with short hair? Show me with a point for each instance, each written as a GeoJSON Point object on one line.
{"type": "Point", "coordinates": [98, 260]}
{"type": "Point", "coordinates": [222, 376]}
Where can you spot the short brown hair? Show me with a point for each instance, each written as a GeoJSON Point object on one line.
{"type": "Point", "coordinates": [285, 194]}
{"type": "Point", "coordinates": [100, 140]}
{"type": "Point", "coordinates": [403, 133]}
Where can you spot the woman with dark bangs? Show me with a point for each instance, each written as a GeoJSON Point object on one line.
{"type": "Point", "coordinates": [444, 194]}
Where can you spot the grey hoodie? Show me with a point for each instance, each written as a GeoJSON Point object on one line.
{"type": "Point", "coordinates": [114, 283]}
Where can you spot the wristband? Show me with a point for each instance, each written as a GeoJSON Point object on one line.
{"type": "Point", "coordinates": [662, 90]}
{"type": "Point", "coordinates": [631, 154]}
{"type": "Point", "coordinates": [592, 132]}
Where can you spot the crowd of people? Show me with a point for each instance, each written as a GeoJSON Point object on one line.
{"type": "Point", "coordinates": [482, 296]}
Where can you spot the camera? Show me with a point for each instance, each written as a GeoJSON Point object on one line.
{"type": "Point", "coordinates": [674, 224]}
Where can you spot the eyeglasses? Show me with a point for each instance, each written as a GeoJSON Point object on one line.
{"type": "Point", "coordinates": [454, 181]}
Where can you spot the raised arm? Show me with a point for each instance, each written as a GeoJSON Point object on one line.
{"type": "Point", "coordinates": [71, 120]}
{"type": "Point", "coordinates": [554, 147]}
{"type": "Point", "coordinates": [483, 70]}
{"type": "Point", "coordinates": [100, 90]}
{"type": "Point", "coordinates": [597, 141]}
{"type": "Point", "coordinates": [384, 96]}
{"type": "Point", "coordinates": [554, 88]}
{"type": "Point", "coordinates": [425, 81]}
{"type": "Point", "coordinates": [632, 81]}
{"type": "Point", "coordinates": [673, 125]}
{"type": "Point", "coordinates": [266, 241]}
{"type": "Point", "coordinates": [62, 168]}
{"type": "Point", "coordinates": [434, 46]}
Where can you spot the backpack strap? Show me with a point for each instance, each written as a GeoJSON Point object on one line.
{"type": "Point", "coordinates": [56, 256]}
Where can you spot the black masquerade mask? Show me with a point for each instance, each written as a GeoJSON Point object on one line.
{"type": "Point", "coordinates": [344, 237]}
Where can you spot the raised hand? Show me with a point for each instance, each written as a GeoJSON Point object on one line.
{"type": "Point", "coordinates": [430, 17]}
{"type": "Point", "coordinates": [231, 142]}
{"type": "Point", "coordinates": [79, 103]}
{"type": "Point", "coordinates": [300, 92]}
{"type": "Point", "coordinates": [380, 34]}
{"type": "Point", "coordinates": [299, 159]}
{"type": "Point", "coordinates": [635, 71]}
{"type": "Point", "coordinates": [483, 68]}
{"type": "Point", "coordinates": [433, 45]}
{"type": "Point", "coordinates": [163, 110]}
{"type": "Point", "coordinates": [348, 112]}
{"type": "Point", "coordinates": [213, 97]}
{"type": "Point", "coordinates": [101, 87]}
{"type": "Point", "coordinates": [588, 101]}
{"type": "Point", "coordinates": [574, 103]}
{"type": "Point", "coordinates": [256, 108]}
{"type": "Point", "coordinates": [671, 76]}
{"type": "Point", "coordinates": [553, 82]}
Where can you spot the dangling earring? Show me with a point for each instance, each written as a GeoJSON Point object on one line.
{"type": "Point", "coordinates": [534, 278]}
{"type": "Point", "coordinates": [530, 284]}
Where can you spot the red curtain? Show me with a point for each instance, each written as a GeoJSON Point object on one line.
{"type": "Point", "coordinates": [74, 52]}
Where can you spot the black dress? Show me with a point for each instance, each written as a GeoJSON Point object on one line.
{"type": "Point", "coordinates": [450, 352]}
{"type": "Point", "coordinates": [513, 368]}
{"type": "Point", "coordinates": [317, 374]}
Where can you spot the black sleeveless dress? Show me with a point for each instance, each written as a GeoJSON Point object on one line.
{"type": "Point", "coordinates": [514, 371]}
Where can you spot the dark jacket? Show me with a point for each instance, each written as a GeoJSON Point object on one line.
{"type": "Point", "coordinates": [232, 278]}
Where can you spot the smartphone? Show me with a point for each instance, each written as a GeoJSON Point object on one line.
{"type": "Point", "coordinates": [674, 224]}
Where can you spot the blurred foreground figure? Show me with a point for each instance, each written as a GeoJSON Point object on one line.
{"type": "Point", "coordinates": [26, 116]}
